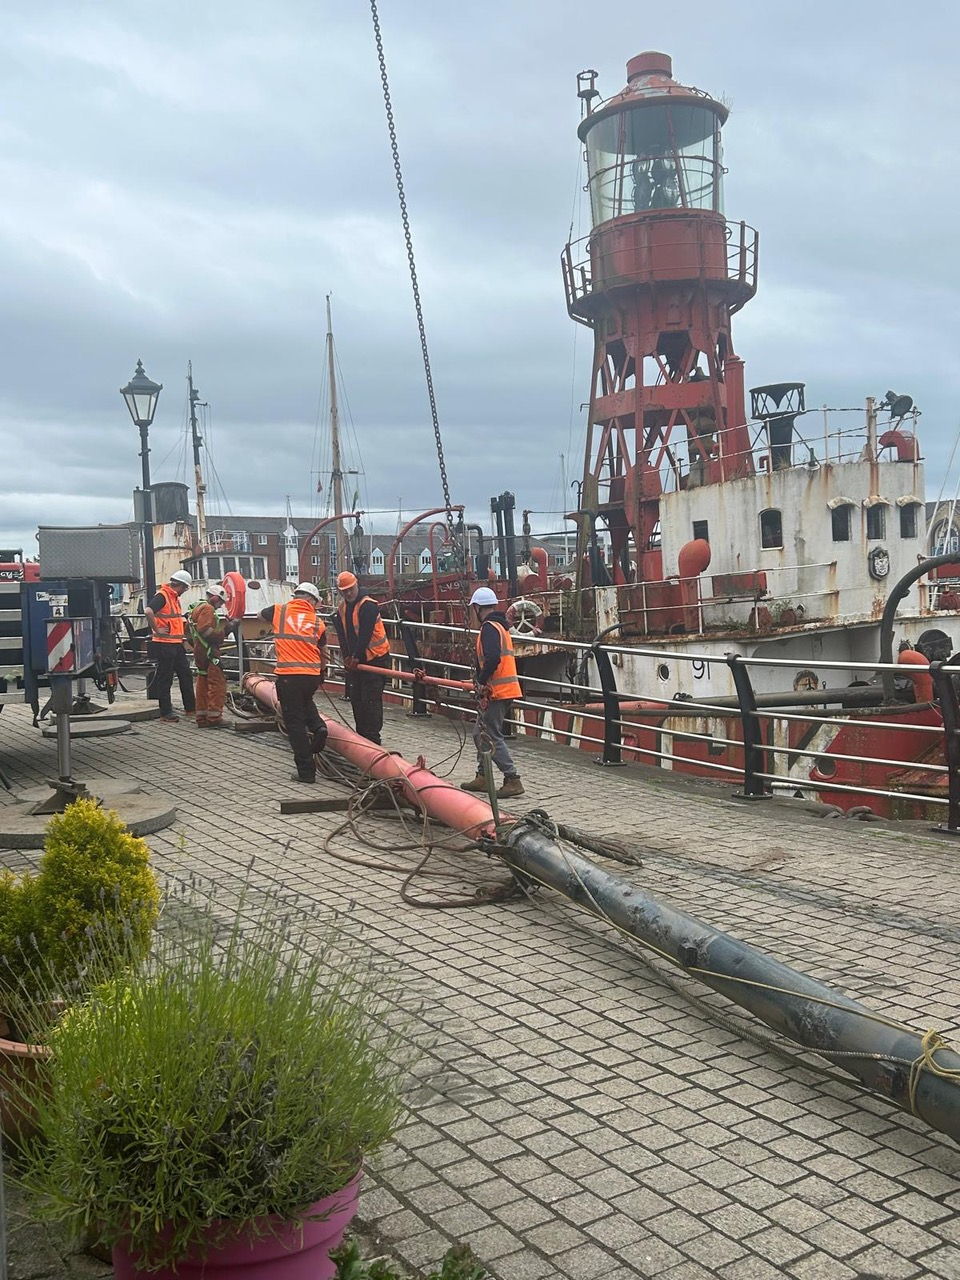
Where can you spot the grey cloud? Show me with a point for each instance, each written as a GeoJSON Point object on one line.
{"type": "Point", "coordinates": [188, 182]}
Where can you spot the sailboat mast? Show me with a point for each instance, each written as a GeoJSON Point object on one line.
{"type": "Point", "coordinates": [197, 470]}
{"type": "Point", "coordinates": [336, 466]}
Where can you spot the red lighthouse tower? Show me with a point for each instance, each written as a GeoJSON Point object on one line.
{"type": "Point", "coordinates": [657, 280]}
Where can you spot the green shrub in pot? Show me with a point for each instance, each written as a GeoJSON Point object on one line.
{"type": "Point", "coordinates": [88, 910]}
{"type": "Point", "coordinates": [221, 1083]}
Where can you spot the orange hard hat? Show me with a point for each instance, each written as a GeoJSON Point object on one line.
{"type": "Point", "coordinates": [346, 580]}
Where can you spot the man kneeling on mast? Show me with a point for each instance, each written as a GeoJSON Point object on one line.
{"type": "Point", "coordinates": [496, 685]}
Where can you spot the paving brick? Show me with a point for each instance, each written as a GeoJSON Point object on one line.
{"type": "Point", "coordinates": [582, 1208]}
{"type": "Point", "coordinates": [713, 1251]}
{"type": "Point", "coordinates": [461, 1219]}
{"type": "Point", "coordinates": [676, 1226]}
{"type": "Point", "coordinates": [650, 1257]}
{"type": "Point", "coordinates": [882, 1261]}
{"type": "Point", "coordinates": [944, 1262]}
{"type": "Point", "coordinates": [836, 1239]}
{"type": "Point", "coordinates": [904, 1238]}
{"type": "Point", "coordinates": [777, 1246]}
{"type": "Point", "coordinates": [616, 1231]}
{"type": "Point", "coordinates": [493, 1242]}
{"type": "Point", "coordinates": [584, 1263]}
{"type": "Point", "coordinates": [750, 1269]}
{"type": "Point", "coordinates": [917, 1208]}
{"type": "Point", "coordinates": [818, 1267]}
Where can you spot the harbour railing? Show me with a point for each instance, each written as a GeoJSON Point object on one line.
{"type": "Point", "coordinates": [762, 743]}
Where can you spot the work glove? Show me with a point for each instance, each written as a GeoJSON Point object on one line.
{"type": "Point", "coordinates": [351, 664]}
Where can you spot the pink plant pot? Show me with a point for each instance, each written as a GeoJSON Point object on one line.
{"type": "Point", "coordinates": [266, 1249]}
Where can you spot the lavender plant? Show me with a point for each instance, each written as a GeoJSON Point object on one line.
{"type": "Point", "coordinates": [224, 1081]}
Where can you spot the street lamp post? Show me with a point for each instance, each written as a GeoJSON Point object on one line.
{"type": "Point", "coordinates": [141, 397]}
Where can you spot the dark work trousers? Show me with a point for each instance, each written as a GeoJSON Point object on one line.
{"type": "Point", "coordinates": [488, 736]}
{"type": "Point", "coordinates": [301, 718]}
{"type": "Point", "coordinates": [171, 660]}
{"type": "Point", "coordinates": [366, 698]}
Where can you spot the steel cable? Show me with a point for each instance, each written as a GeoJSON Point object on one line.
{"type": "Point", "coordinates": [414, 281]}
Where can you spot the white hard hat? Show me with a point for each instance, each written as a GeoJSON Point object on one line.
{"type": "Point", "coordinates": [182, 577]}
{"type": "Point", "coordinates": [215, 589]}
{"type": "Point", "coordinates": [484, 596]}
{"type": "Point", "coordinates": [306, 589]}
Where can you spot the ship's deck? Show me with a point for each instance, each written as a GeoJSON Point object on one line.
{"type": "Point", "coordinates": [575, 1114]}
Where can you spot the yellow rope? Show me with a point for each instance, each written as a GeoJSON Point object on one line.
{"type": "Point", "coordinates": [930, 1043]}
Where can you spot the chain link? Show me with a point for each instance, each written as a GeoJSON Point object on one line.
{"type": "Point", "coordinates": [405, 218]}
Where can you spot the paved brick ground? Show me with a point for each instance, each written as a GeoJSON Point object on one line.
{"type": "Point", "coordinates": [575, 1114]}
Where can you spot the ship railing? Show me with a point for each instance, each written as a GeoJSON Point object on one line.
{"type": "Point", "coordinates": [767, 761]}
{"type": "Point", "coordinates": [814, 444]}
{"type": "Point", "coordinates": [653, 617]}
{"type": "Point", "coordinates": [565, 710]}
{"type": "Point", "coordinates": [586, 270]}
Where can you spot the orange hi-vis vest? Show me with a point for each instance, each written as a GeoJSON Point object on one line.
{"type": "Point", "coordinates": [298, 630]}
{"type": "Point", "coordinates": [503, 683]}
{"type": "Point", "coordinates": [378, 645]}
{"type": "Point", "coordinates": [170, 617]}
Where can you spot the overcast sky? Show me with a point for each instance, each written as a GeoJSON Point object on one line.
{"type": "Point", "coordinates": [187, 181]}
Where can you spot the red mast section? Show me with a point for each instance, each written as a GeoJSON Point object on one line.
{"type": "Point", "coordinates": [657, 280]}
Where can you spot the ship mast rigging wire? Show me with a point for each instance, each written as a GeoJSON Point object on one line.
{"type": "Point", "coordinates": [414, 282]}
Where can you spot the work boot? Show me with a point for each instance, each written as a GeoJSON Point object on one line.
{"type": "Point", "coordinates": [201, 723]}
{"type": "Point", "coordinates": [295, 777]}
{"type": "Point", "coordinates": [479, 783]}
{"type": "Point", "coordinates": [511, 787]}
{"type": "Point", "coordinates": [170, 719]}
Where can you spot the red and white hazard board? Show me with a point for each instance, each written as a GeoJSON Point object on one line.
{"type": "Point", "coordinates": [61, 652]}
{"type": "Point", "coordinates": [69, 645]}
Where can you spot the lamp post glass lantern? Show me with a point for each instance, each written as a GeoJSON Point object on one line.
{"type": "Point", "coordinates": [141, 395]}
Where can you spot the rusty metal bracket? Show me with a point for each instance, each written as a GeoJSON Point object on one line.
{"type": "Point", "coordinates": [63, 793]}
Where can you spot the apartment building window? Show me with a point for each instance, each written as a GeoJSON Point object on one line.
{"type": "Point", "coordinates": [259, 567]}
{"type": "Point", "coordinates": [261, 539]}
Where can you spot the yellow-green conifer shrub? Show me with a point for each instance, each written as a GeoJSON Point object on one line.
{"type": "Point", "coordinates": [94, 879]}
{"type": "Point", "coordinates": [89, 909]}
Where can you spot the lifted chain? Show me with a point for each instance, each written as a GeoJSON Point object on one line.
{"type": "Point", "coordinates": [405, 218]}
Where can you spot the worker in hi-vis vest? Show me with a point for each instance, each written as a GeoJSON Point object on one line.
{"type": "Point", "coordinates": [496, 686]}
{"type": "Point", "coordinates": [300, 641]}
{"type": "Point", "coordinates": [363, 639]}
{"type": "Point", "coordinates": [207, 629]}
{"type": "Point", "coordinates": [167, 635]}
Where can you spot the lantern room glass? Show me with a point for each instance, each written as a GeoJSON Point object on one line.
{"type": "Point", "coordinates": [655, 157]}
